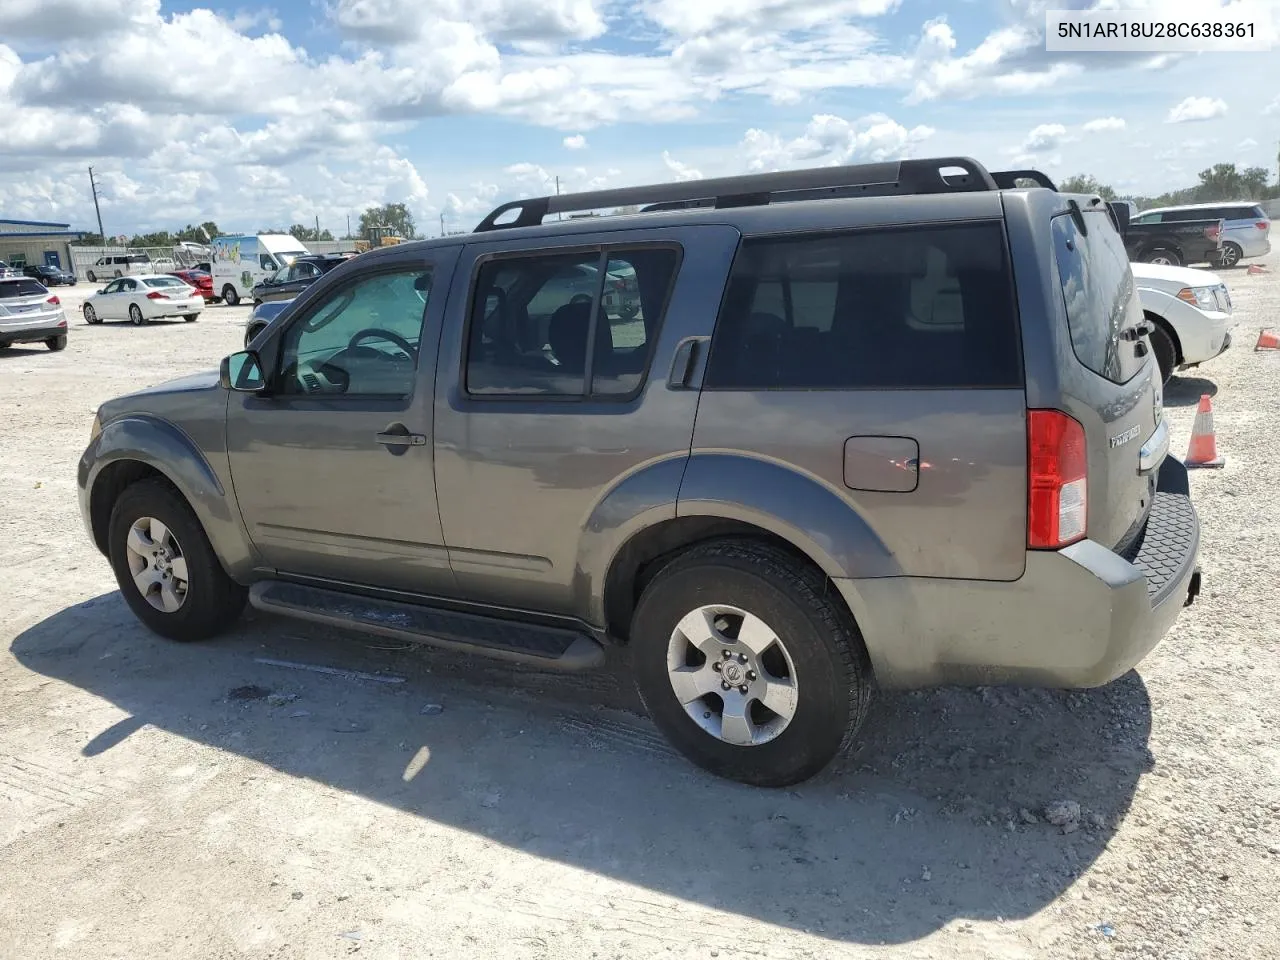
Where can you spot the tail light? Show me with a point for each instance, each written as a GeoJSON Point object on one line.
{"type": "Point", "coordinates": [156, 295]}
{"type": "Point", "coordinates": [54, 300]}
{"type": "Point", "coordinates": [1211, 233]}
{"type": "Point", "coordinates": [1262, 225]}
{"type": "Point", "coordinates": [1057, 480]}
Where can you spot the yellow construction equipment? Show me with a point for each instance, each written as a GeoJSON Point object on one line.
{"type": "Point", "coordinates": [377, 237]}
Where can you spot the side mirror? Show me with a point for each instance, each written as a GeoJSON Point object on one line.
{"type": "Point", "coordinates": [242, 372]}
{"type": "Point", "coordinates": [103, 290]}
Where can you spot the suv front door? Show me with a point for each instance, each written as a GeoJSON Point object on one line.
{"type": "Point", "coordinates": [535, 428]}
{"type": "Point", "coordinates": [332, 467]}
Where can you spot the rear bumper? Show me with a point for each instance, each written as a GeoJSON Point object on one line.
{"type": "Point", "coordinates": [33, 332]}
{"type": "Point", "coordinates": [1078, 617]}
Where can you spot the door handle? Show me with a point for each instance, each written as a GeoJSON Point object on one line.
{"type": "Point", "coordinates": [401, 439]}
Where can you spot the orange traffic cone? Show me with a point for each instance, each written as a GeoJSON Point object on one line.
{"type": "Point", "coordinates": [1203, 451]}
{"type": "Point", "coordinates": [1257, 268]}
{"type": "Point", "coordinates": [1267, 341]}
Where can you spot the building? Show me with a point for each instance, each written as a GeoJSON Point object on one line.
{"type": "Point", "coordinates": [26, 242]}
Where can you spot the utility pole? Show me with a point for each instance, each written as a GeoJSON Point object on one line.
{"type": "Point", "coordinates": [94, 187]}
{"type": "Point", "coordinates": [442, 223]}
{"type": "Point", "coordinates": [348, 226]}
{"type": "Point", "coordinates": [317, 226]}
{"type": "Point", "coordinates": [559, 216]}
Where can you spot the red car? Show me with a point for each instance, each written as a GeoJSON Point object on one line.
{"type": "Point", "coordinates": [200, 280]}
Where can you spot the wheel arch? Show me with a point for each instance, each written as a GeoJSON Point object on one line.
{"type": "Point", "coordinates": [1164, 324]}
{"type": "Point", "coordinates": [725, 496]}
{"type": "Point", "coordinates": [141, 447]}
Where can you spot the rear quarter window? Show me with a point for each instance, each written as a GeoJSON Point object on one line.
{"type": "Point", "coordinates": [895, 308]}
{"type": "Point", "coordinates": [11, 289]}
{"type": "Point", "coordinates": [1099, 294]}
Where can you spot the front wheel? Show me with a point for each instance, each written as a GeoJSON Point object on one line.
{"type": "Point", "coordinates": [56, 343]}
{"type": "Point", "coordinates": [91, 277]}
{"type": "Point", "coordinates": [230, 296]}
{"type": "Point", "coordinates": [747, 665]}
{"type": "Point", "coordinates": [1166, 353]}
{"type": "Point", "coordinates": [90, 314]}
{"type": "Point", "coordinates": [135, 315]}
{"type": "Point", "coordinates": [165, 566]}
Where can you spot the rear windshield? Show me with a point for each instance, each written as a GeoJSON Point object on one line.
{"type": "Point", "coordinates": [164, 282]}
{"type": "Point", "coordinates": [10, 289]}
{"type": "Point", "coordinates": [904, 308]}
{"type": "Point", "coordinates": [1099, 293]}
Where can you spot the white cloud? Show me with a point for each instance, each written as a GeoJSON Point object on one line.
{"type": "Point", "coordinates": [829, 139]}
{"type": "Point", "coordinates": [1047, 136]}
{"type": "Point", "coordinates": [706, 17]}
{"type": "Point", "coordinates": [1104, 125]}
{"type": "Point", "coordinates": [1272, 107]}
{"type": "Point", "coordinates": [682, 170]}
{"type": "Point", "coordinates": [68, 19]}
{"type": "Point", "coordinates": [1196, 108]}
{"type": "Point", "coordinates": [575, 142]}
{"type": "Point", "coordinates": [538, 24]}
{"type": "Point", "coordinates": [1248, 143]}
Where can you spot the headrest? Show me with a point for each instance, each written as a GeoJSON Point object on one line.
{"type": "Point", "coordinates": [567, 334]}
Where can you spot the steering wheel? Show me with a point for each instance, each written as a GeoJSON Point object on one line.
{"type": "Point", "coordinates": [399, 341]}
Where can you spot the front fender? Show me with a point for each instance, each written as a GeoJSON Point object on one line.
{"type": "Point", "coordinates": [163, 447]}
{"type": "Point", "coordinates": [1196, 330]}
{"type": "Point", "coordinates": [798, 508]}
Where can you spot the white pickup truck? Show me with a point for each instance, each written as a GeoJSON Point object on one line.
{"type": "Point", "coordinates": [1191, 311]}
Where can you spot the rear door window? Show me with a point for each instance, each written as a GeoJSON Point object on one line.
{"type": "Point", "coordinates": [20, 288]}
{"type": "Point", "coordinates": [910, 308]}
{"type": "Point", "coordinates": [1099, 293]}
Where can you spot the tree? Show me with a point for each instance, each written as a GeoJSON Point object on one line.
{"type": "Point", "coordinates": [1219, 182]}
{"type": "Point", "coordinates": [1086, 183]}
{"type": "Point", "coordinates": [1254, 183]}
{"type": "Point", "coordinates": [395, 216]}
{"type": "Point", "coordinates": [305, 233]}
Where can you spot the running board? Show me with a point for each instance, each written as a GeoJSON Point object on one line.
{"type": "Point", "coordinates": [552, 648]}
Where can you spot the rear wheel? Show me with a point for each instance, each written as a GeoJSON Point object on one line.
{"type": "Point", "coordinates": [56, 343]}
{"type": "Point", "coordinates": [165, 566]}
{"type": "Point", "coordinates": [91, 315]}
{"type": "Point", "coordinates": [135, 315]}
{"type": "Point", "coordinates": [1164, 256]}
{"type": "Point", "coordinates": [746, 664]}
{"type": "Point", "coordinates": [230, 296]}
{"type": "Point", "coordinates": [190, 317]}
{"type": "Point", "coordinates": [1166, 352]}
{"type": "Point", "coordinates": [1231, 254]}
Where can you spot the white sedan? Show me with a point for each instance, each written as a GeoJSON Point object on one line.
{"type": "Point", "coordinates": [1191, 310]}
{"type": "Point", "coordinates": [148, 296]}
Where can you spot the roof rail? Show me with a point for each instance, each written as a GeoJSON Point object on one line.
{"type": "Point", "coordinates": [1008, 179]}
{"type": "Point", "coordinates": [899, 177]}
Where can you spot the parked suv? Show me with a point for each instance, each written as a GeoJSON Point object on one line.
{"type": "Point", "coordinates": [872, 424]}
{"type": "Point", "coordinates": [1246, 228]}
{"type": "Point", "coordinates": [118, 265]}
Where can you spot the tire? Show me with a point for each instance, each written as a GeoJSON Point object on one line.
{"type": "Point", "coordinates": [1165, 351]}
{"type": "Point", "coordinates": [91, 277]}
{"type": "Point", "coordinates": [191, 317]}
{"type": "Point", "coordinates": [57, 343]}
{"type": "Point", "coordinates": [229, 296]}
{"type": "Point", "coordinates": [135, 315]}
{"type": "Point", "coordinates": [1231, 254]}
{"type": "Point", "coordinates": [210, 602]}
{"type": "Point", "coordinates": [820, 648]}
{"type": "Point", "coordinates": [90, 314]}
{"type": "Point", "coordinates": [1163, 255]}
{"type": "Point", "coordinates": [118, 275]}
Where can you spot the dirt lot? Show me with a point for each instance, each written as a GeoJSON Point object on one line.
{"type": "Point", "coordinates": [166, 801]}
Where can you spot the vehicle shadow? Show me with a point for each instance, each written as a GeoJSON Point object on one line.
{"type": "Point", "coordinates": [1184, 391]}
{"type": "Point", "coordinates": [937, 817]}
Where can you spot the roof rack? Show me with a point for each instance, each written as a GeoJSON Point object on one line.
{"type": "Point", "coordinates": [897, 177]}
{"type": "Point", "coordinates": [1008, 179]}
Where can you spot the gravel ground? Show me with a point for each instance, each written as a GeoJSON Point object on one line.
{"type": "Point", "coordinates": [166, 801]}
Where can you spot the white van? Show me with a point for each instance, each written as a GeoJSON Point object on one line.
{"type": "Point", "coordinates": [239, 262]}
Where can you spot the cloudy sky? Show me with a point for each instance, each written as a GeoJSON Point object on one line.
{"type": "Point", "coordinates": [259, 116]}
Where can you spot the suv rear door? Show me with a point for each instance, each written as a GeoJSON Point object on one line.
{"type": "Point", "coordinates": [1113, 385]}
{"type": "Point", "coordinates": [535, 428]}
{"type": "Point", "coordinates": [885, 363]}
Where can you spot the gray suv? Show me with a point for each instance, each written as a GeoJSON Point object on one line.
{"type": "Point", "coordinates": [896, 424]}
